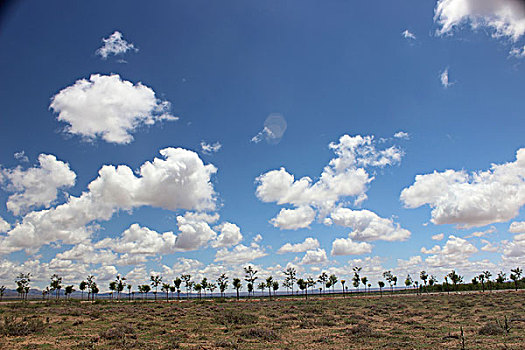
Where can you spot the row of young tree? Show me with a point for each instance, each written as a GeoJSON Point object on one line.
{"type": "Point", "coordinates": [452, 281]}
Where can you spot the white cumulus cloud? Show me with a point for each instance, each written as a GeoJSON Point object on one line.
{"type": "Point", "coordinates": [108, 107]}
{"type": "Point", "coordinates": [312, 257]}
{"type": "Point", "coordinates": [37, 186]}
{"type": "Point", "coordinates": [308, 244]}
{"type": "Point", "coordinates": [240, 254]}
{"type": "Point", "coordinates": [209, 148]}
{"type": "Point", "coordinates": [368, 226]}
{"type": "Point", "coordinates": [230, 235]}
{"type": "Point", "coordinates": [517, 227]}
{"type": "Point", "coordinates": [408, 35]}
{"type": "Point", "coordinates": [470, 200]}
{"type": "Point", "coordinates": [506, 18]}
{"type": "Point", "coordinates": [293, 219]}
{"type": "Point", "coordinates": [115, 45]}
{"type": "Point", "coordinates": [346, 246]}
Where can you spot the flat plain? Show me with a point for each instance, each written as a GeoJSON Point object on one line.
{"type": "Point", "coordinates": [429, 321]}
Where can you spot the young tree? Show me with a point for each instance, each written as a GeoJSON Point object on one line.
{"type": "Point", "coordinates": [22, 282]}
{"type": "Point", "coordinates": [156, 280]}
{"type": "Point", "coordinates": [455, 278]}
{"type": "Point", "coordinates": [237, 285]}
{"type": "Point", "coordinates": [166, 288]}
{"type": "Point", "coordinates": [188, 284]}
{"type": "Point", "coordinates": [501, 277]}
{"type": "Point", "coordinates": [56, 285]}
{"type": "Point", "coordinates": [82, 286]}
{"type": "Point", "coordinates": [475, 282]}
{"type": "Point", "coordinates": [303, 286]}
{"type": "Point", "coordinates": [94, 291]}
{"type": "Point", "coordinates": [343, 284]}
{"type": "Point", "coordinates": [381, 285]}
{"type": "Point", "coordinates": [249, 287]}
{"type": "Point", "coordinates": [290, 274]}
{"type": "Point", "coordinates": [120, 285]}
{"type": "Point", "coordinates": [222, 281]}
{"type": "Point", "coordinates": [269, 282]}
{"type": "Point", "coordinates": [333, 281]}
{"type": "Point", "coordinates": [431, 281]}
{"type": "Point", "coordinates": [2, 291]}
{"type": "Point", "coordinates": [68, 291]}
{"type": "Point", "coordinates": [250, 277]}
{"type": "Point", "coordinates": [112, 288]}
{"type": "Point", "coordinates": [424, 276]}
{"type": "Point", "coordinates": [364, 280]}
{"type": "Point", "coordinates": [90, 280]}
{"type": "Point", "coordinates": [487, 275]}
{"type": "Point", "coordinates": [262, 287]}
{"type": "Point", "coordinates": [310, 283]}
{"type": "Point", "coordinates": [198, 288]}
{"type": "Point", "coordinates": [177, 282]}
{"type": "Point", "coordinates": [172, 290]}
{"type": "Point", "coordinates": [129, 291]}
{"type": "Point", "coordinates": [145, 289]}
{"type": "Point", "coordinates": [391, 279]}
{"type": "Point", "coordinates": [515, 276]}
{"type": "Point", "coordinates": [356, 280]}
{"type": "Point", "coordinates": [275, 287]}
{"type": "Point", "coordinates": [204, 285]}
{"type": "Point", "coordinates": [323, 278]}
{"type": "Point", "coordinates": [408, 282]}
{"type": "Point", "coordinates": [211, 288]}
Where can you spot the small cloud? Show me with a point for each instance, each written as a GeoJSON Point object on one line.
{"type": "Point", "coordinates": [438, 237]}
{"type": "Point", "coordinates": [408, 35]}
{"type": "Point", "coordinates": [402, 135]}
{"type": "Point", "coordinates": [274, 127]}
{"type": "Point", "coordinates": [115, 45]}
{"type": "Point", "coordinates": [445, 81]}
{"type": "Point", "coordinates": [209, 148]}
{"type": "Point", "coordinates": [257, 238]}
{"type": "Point", "coordinates": [21, 156]}
{"type": "Point", "coordinates": [517, 52]}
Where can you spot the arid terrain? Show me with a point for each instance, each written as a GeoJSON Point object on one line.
{"type": "Point", "coordinates": [488, 321]}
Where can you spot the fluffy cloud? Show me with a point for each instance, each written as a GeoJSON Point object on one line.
{"type": "Point", "coordinates": [240, 254]}
{"type": "Point", "coordinates": [194, 233]}
{"type": "Point", "coordinates": [139, 240]}
{"type": "Point", "coordinates": [209, 148]}
{"type": "Point", "coordinates": [408, 35]}
{"type": "Point", "coordinates": [515, 248]}
{"type": "Point", "coordinates": [4, 225]}
{"type": "Point", "coordinates": [368, 226]}
{"type": "Point", "coordinates": [21, 156]}
{"type": "Point", "coordinates": [505, 17]}
{"type": "Point", "coordinates": [517, 227]}
{"type": "Point", "coordinates": [308, 244]}
{"type": "Point", "coordinates": [346, 246]}
{"type": "Point", "coordinates": [115, 45]}
{"type": "Point", "coordinates": [344, 176]}
{"type": "Point", "coordinates": [438, 237]}
{"type": "Point", "coordinates": [444, 79]}
{"type": "Point", "coordinates": [455, 251]}
{"type": "Point", "coordinates": [293, 219]}
{"type": "Point", "coordinates": [312, 257]}
{"type": "Point", "coordinates": [87, 254]}
{"type": "Point", "coordinates": [488, 246]}
{"type": "Point", "coordinates": [178, 181]}
{"type": "Point", "coordinates": [402, 135]}
{"type": "Point", "coordinates": [37, 186]}
{"type": "Point", "coordinates": [478, 199]}
{"type": "Point", "coordinates": [109, 107]}
{"type": "Point", "coordinates": [230, 234]}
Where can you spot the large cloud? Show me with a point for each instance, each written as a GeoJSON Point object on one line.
{"type": "Point", "coordinates": [344, 176]}
{"type": "Point", "coordinates": [109, 107]}
{"type": "Point", "coordinates": [308, 244]}
{"type": "Point", "coordinates": [178, 181]}
{"type": "Point", "coordinates": [240, 254]}
{"type": "Point", "coordinates": [368, 226]}
{"type": "Point", "coordinates": [346, 246]}
{"type": "Point", "coordinates": [313, 257]}
{"type": "Point", "coordinates": [293, 219]}
{"type": "Point", "coordinates": [37, 186]}
{"type": "Point", "coordinates": [478, 199]}
{"type": "Point", "coordinates": [505, 17]}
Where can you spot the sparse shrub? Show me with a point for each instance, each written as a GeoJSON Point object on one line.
{"type": "Point", "coordinates": [118, 333]}
{"type": "Point", "coordinates": [227, 344]}
{"type": "Point", "coordinates": [13, 327]}
{"type": "Point", "coordinates": [362, 330]}
{"type": "Point", "coordinates": [260, 333]}
{"type": "Point", "coordinates": [230, 317]}
{"type": "Point", "coordinates": [491, 329]}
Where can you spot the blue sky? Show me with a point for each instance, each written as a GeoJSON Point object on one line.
{"type": "Point", "coordinates": [451, 80]}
